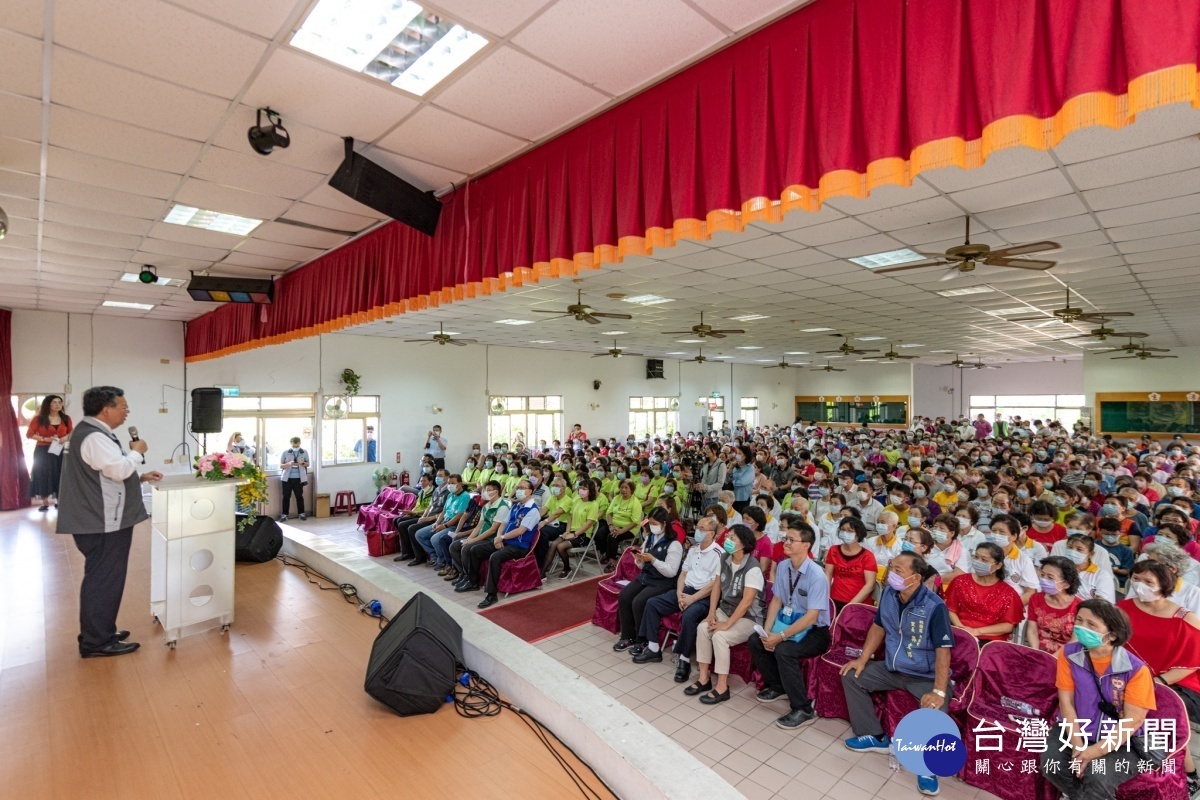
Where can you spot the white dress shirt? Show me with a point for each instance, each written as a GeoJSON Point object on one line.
{"type": "Point", "coordinates": [107, 457]}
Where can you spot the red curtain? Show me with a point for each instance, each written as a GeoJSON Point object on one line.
{"type": "Point", "coordinates": [835, 99]}
{"type": "Point", "coordinates": [14, 476]}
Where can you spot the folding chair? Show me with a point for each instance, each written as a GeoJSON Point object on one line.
{"type": "Point", "coordinates": [582, 552]}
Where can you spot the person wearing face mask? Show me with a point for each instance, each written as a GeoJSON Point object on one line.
{"type": "Point", "coordinates": [735, 607]}
{"type": "Point", "coordinates": [948, 556]}
{"type": "Point", "coordinates": [492, 519]}
{"type": "Point", "coordinates": [512, 542]}
{"type": "Point", "coordinates": [1094, 580]}
{"type": "Point", "coordinates": [1120, 555]}
{"type": "Point", "coordinates": [885, 543]}
{"type": "Point", "coordinates": [1019, 569]}
{"type": "Point", "coordinates": [913, 626]}
{"type": "Point", "coordinates": [755, 520]}
{"type": "Point", "coordinates": [869, 509]}
{"type": "Point", "coordinates": [983, 603]}
{"type": "Point", "coordinates": [623, 518]}
{"type": "Point", "coordinates": [701, 568]}
{"type": "Point", "coordinates": [659, 558]}
{"type": "Point", "coordinates": [453, 510]}
{"type": "Point", "coordinates": [968, 525]}
{"type": "Point", "coordinates": [1050, 615]}
{"type": "Point", "coordinates": [711, 476]}
{"type": "Point", "coordinates": [435, 446]}
{"type": "Point", "coordinates": [742, 477]}
{"type": "Point", "coordinates": [1044, 525]}
{"type": "Point", "coordinates": [725, 501]}
{"type": "Point", "coordinates": [948, 495]}
{"type": "Point", "coordinates": [554, 516]}
{"type": "Point", "coordinates": [1184, 594]}
{"type": "Point", "coordinates": [647, 488]}
{"type": "Point", "coordinates": [407, 529]}
{"type": "Point", "coordinates": [850, 568]}
{"type": "Point", "coordinates": [920, 497]}
{"type": "Point", "coordinates": [1095, 673]}
{"type": "Point", "coordinates": [581, 525]}
{"type": "Point", "coordinates": [487, 470]}
{"type": "Point", "coordinates": [1167, 636]}
{"type": "Point", "coordinates": [898, 501]}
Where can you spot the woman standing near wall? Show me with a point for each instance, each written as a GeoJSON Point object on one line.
{"type": "Point", "coordinates": [50, 429]}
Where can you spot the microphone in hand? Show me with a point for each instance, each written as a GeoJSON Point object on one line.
{"type": "Point", "coordinates": [136, 444]}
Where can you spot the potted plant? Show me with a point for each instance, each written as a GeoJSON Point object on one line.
{"type": "Point", "coordinates": [350, 379]}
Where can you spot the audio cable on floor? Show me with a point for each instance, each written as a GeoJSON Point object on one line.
{"type": "Point", "coordinates": [349, 593]}
{"type": "Point", "coordinates": [475, 697]}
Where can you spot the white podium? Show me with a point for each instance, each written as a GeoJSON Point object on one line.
{"type": "Point", "coordinates": [191, 554]}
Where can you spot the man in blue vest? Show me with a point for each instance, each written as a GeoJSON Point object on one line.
{"type": "Point", "coordinates": [913, 625]}
{"type": "Point", "coordinates": [100, 502]}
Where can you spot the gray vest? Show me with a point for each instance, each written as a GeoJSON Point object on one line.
{"type": "Point", "coordinates": [88, 501]}
{"type": "Point", "coordinates": [733, 586]}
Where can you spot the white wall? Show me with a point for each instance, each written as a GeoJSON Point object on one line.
{"type": "Point", "coordinates": [1037, 377]}
{"type": "Point", "coordinates": [100, 350]}
{"type": "Point", "coordinates": [1103, 374]}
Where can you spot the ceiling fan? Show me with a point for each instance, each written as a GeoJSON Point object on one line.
{"type": "Point", "coordinates": [1144, 353]}
{"type": "Point", "coordinates": [846, 349]}
{"type": "Point", "coordinates": [615, 352]}
{"type": "Point", "coordinates": [890, 355]}
{"type": "Point", "coordinates": [964, 257]}
{"type": "Point", "coordinates": [957, 362]}
{"type": "Point", "coordinates": [441, 337]}
{"type": "Point", "coordinates": [1104, 332]}
{"type": "Point", "coordinates": [827, 368]}
{"type": "Point", "coordinates": [700, 359]}
{"type": "Point", "coordinates": [704, 331]}
{"type": "Point", "coordinates": [782, 365]}
{"type": "Point", "coordinates": [583, 312]}
{"type": "Point", "coordinates": [978, 365]}
{"type": "Point", "coordinates": [1130, 348]}
{"type": "Point", "coordinates": [1067, 314]}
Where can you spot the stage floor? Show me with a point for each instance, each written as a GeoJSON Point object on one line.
{"type": "Point", "coordinates": [273, 709]}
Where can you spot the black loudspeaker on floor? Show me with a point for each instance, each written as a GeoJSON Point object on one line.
{"type": "Point", "coordinates": [258, 542]}
{"type": "Point", "coordinates": [416, 658]}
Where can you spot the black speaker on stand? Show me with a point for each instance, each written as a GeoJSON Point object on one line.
{"type": "Point", "coordinates": [258, 542]}
{"type": "Point", "coordinates": [207, 409]}
{"type": "Point", "coordinates": [415, 659]}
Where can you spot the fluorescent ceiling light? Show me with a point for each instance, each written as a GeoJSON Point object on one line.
{"type": "Point", "coordinates": [1001, 312]}
{"type": "Point", "coordinates": [941, 351]}
{"type": "Point", "coordinates": [514, 322]}
{"type": "Point", "coordinates": [647, 300]}
{"type": "Point", "coordinates": [396, 41]}
{"type": "Point", "coordinates": [868, 338]}
{"type": "Point", "coordinates": [542, 341]}
{"type": "Point", "coordinates": [132, 277]}
{"type": "Point", "coordinates": [134, 306]}
{"type": "Point", "coordinates": [839, 355]}
{"type": "Point", "coordinates": [815, 330]}
{"type": "Point", "coordinates": [796, 353]}
{"type": "Point", "coordinates": [749, 347]}
{"type": "Point", "coordinates": [677, 354]}
{"type": "Point", "coordinates": [764, 360]}
{"type": "Point", "coordinates": [888, 259]}
{"type": "Point", "coordinates": [211, 220]}
{"type": "Point", "coordinates": [749, 317]}
{"type": "Point", "coordinates": [448, 333]}
{"type": "Point", "coordinates": [911, 345]}
{"type": "Point", "coordinates": [966, 290]}
{"type": "Point", "coordinates": [690, 341]}
{"type": "Point", "coordinates": [1087, 342]}
{"type": "Point", "coordinates": [613, 333]}
{"type": "Point", "coordinates": [720, 357]}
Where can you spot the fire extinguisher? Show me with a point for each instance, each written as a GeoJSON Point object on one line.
{"type": "Point", "coordinates": [404, 478]}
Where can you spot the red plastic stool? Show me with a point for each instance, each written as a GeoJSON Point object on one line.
{"type": "Point", "coordinates": [345, 503]}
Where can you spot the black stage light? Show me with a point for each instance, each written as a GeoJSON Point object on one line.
{"type": "Point", "coordinates": [148, 275]}
{"type": "Point", "coordinates": [265, 138]}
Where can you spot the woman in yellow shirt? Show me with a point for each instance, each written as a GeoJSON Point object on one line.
{"type": "Point", "coordinates": [581, 524]}
{"type": "Point", "coordinates": [470, 473]}
{"type": "Point", "coordinates": [622, 521]}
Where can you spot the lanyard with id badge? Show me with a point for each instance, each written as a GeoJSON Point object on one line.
{"type": "Point", "coordinates": [788, 615]}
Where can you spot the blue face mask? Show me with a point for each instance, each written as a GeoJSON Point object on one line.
{"type": "Point", "coordinates": [906, 546]}
{"type": "Point", "coordinates": [1087, 637]}
{"type": "Point", "coordinates": [699, 536]}
{"type": "Point", "coordinates": [439, 480]}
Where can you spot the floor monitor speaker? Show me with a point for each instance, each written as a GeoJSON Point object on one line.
{"type": "Point", "coordinates": [258, 542]}
{"type": "Point", "coordinates": [416, 658]}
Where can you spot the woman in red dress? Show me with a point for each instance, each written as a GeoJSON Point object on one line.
{"type": "Point", "coordinates": [50, 429]}
{"type": "Point", "coordinates": [983, 603]}
{"type": "Point", "coordinates": [1050, 615]}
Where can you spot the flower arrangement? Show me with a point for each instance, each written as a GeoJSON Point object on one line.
{"type": "Point", "coordinates": [223, 466]}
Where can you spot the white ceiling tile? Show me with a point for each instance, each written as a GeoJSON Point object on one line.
{"type": "Point", "coordinates": [87, 133]}
{"type": "Point", "coordinates": [418, 173]}
{"type": "Point", "coordinates": [707, 259]}
{"type": "Point", "coordinates": [514, 93]}
{"type": "Point", "coordinates": [1148, 162]}
{"type": "Point", "coordinates": [439, 137]}
{"type": "Point", "coordinates": [22, 117]}
{"type": "Point", "coordinates": [199, 236]}
{"type": "Point", "coordinates": [23, 16]}
{"type": "Point", "coordinates": [109, 91]}
{"type": "Point", "coordinates": [1152, 127]}
{"type": "Point", "coordinates": [262, 17]}
{"type": "Point", "coordinates": [172, 247]}
{"type": "Point", "coordinates": [19, 155]}
{"type": "Point", "coordinates": [882, 197]}
{"type": "Point", "coordinates": [257, 262]}
{"type": "Point", "coordinates": [796, 258]}
{"type": "Point", "coordinates": [100, 199]}
{"type": "Point", "coordinates": [838, 231]}
{"type": "Point", "coordinates": [744, 268]}
{"type": "Point", "coordinates": [1150, 212]}
{"type": "Point", "coordinates": [616, 45]}
{"type": "Point", "coordinates": [83, 168]}
{"type": "Point", "coordinates": [325, 196]}
{"type": "Point", "coordinates": [255, 173]}
{"type": "Point", "coordinates": [86, 250]}
{"type": "Point", "coordinates": [278, 250]}
{"type": "Point", "coordinates": [57, 230]}
{"type": "Point", "coordinates": [1052, 229]}
{"type": "Point", "coordinates": [1027, 189]}
{"type": "Point", "coordinates": [328, 217]}
{"type": "Point", "coordinates": [867, 245]}
{"type": "Point", "coordinates": [799, 218]}
{"type": "Point", "coordinates": [922, 212]}
{"type": "Point", "coordinates": [1164, 227]}
{"type": "Point", "coordinates": [488, 16]}
{"type": "Point", "coordinates": [159, 39]}
{"type": "Point", "coordinates": [744, 13]}
{"type": "Point", "coordinates": [1146, 190]}
{"type": "Point", "coordinates": [1190, 238]}
{"type": "Point", "coordinates": [18, 184]}
{"type": "Point", "coordinates": [762, 247]}
{"type": "Point", "coordinates": [1068, 205]}
{"type": "Point", "coordinates": [326, 96]}
{"type": "Point", "coordinates": [203, 194]}
{"type": "Point", "coordinates": [100, 220]}
{"type": "Point", "coordinates": [1002, 165]}
{"type": "Point", "coordinates": [295, 234]}
{"type": "Point", "coordinates": [158, 253]}
{"type": "Point", "coordinates": [22, 60]}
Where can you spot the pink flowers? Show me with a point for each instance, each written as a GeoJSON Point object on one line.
{"type": "Point", "coordinates": [225, 463]}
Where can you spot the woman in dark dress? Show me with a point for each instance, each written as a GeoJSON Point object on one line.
{"type": "Point", "coordinates": [50, 429]}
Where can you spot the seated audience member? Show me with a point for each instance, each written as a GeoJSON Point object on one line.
{"type": "Point", "coordinates": [1121, 556]}
{"type": "Point", "coordinates": [513, 542]}
{"type": "Point", "coordinates": [867, 506]}
{"type": "Point", "coordinates": [1096, 670]}
{"type": "Point", "coordinates": [555, 514]}
{"type": "Point", "coordinates": [885, 543]}
{"type": "Point", "coordinates": [920, 541]}
{"type": "Point", "coordinates": [581, 525]}
{"type": "Point", "coordinates": [725, 500]}
{"type": "Point", "coordinates": [701, 568]}
{"type": "Point", "coordinates": [827, 525]}
{"type": "Point", "coordinates": [850, 568]}
{"type": "Point", "coordinates": [1167, 636]}
{"type": "Point", "coordinates": [949, 556]}
{"type": "Point", "coordinates": [659, 559]}
{"type": "Point", "coordinates": [1185, 594]}
{"type": "Point", "coordinates": [1094, 581]}
{"type": "Point", "coordinates": [1118, 507]}
{"type": "Point", "coordinates": [916, 657]}
{"type": "Point", "coordinates": [735, 606]}
{"type": "Point", "coordinates": [425, 487]}
{"type": "Point", "coordinates": [1029, 546]}
{"type": "Point", "coordinates": [1178, 533]}
{"type": "Point", "coordinates": [983, 603]}
{"type": "Point", "coordinates": [1019, 570]}
{"type": "Point", "coordinates": [407, 528]}
{"type": "Point", "coordinates": [797, 625]}
{"type": "Point", "coordinates": [717, 514]}
{"type": "Point", "coordinates": [453, 511]}
{"type": "Point", "coordinates": [755, 519]}
{"type": "Point", "coordinates": [1050, 615]}
{"type": "Point", "coordinates": [969, 534]}
{"type": "Point", "coordinates": [1044, 526]}
{"type": "Point", "coordinates": [491, 521]}
{"type": "Point", "coordinates": [623, 521]}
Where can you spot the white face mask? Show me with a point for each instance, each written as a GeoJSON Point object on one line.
{"type": "Point", "coordinates": [848, 537]}
{"type": "Point", "coordinates": [656, 529]}
{"type": "Point", "coordinates": [1077, 556]}
{"type": "Point", "coordinates": [1143, 591]}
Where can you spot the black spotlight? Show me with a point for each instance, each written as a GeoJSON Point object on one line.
{"type": "Point", "coordinates": [148, 275]}
{"type": "Point", "coordinates": [265, 138]}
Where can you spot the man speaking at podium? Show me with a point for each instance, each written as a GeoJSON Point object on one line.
{"type": "Point", "coordinates": [99, 503]}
